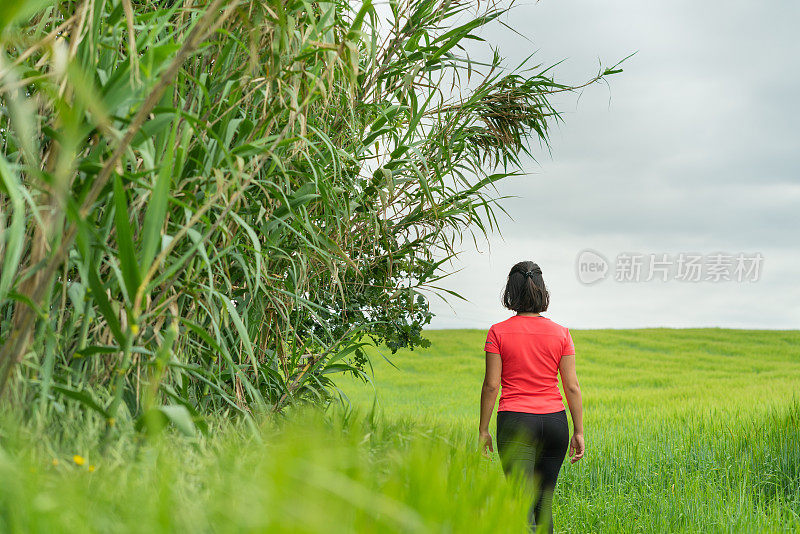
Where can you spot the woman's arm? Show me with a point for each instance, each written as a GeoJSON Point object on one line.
{"type": "Point", "coordinates": [491, 385]}
{"type": "Point", "coordinates": [572, 389]}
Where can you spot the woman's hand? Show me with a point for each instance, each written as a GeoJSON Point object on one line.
{"type": "Point", "coordinates": [576, 447]}
{"type": "Point", "coordinates": [485, 442]}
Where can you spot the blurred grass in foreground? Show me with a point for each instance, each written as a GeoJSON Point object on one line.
{"type": "Point", "coordinates": [345, 473]}
{"type": "Point", "coordinates": [687, 430]}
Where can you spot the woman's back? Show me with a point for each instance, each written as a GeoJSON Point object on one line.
{"type": "Point", "coordinates": [524, 355]}
{"type": "Point", "coordinates": [530, 348]}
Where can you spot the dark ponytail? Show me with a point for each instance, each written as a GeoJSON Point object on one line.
{"type": "Point", "coordinates": [525, 290]}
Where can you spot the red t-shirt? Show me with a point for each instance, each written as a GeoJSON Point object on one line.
{"type": "Point", "coordinates": [530, 349]}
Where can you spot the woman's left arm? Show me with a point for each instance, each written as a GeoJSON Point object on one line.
{"type": "Point", "coordinates": [491, 385]}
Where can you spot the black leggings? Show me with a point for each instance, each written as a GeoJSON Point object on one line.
{"type": "Point", "coordinates": [533, 446]}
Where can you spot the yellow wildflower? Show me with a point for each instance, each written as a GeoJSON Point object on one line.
{"type": "Point", "coordinates": [134, 329]}
{"type": "Point", "coordinates": [79, 460]}
{"type": "Point", "coordinates": [55, 461]}
{"type": "Point", "coordinates": [91, 468]}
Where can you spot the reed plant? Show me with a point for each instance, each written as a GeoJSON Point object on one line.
{"type": "Point", "coordinates": [210, 207]}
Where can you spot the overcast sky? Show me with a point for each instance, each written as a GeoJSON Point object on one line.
{"type": "Point", "coordinates": [695, 148]}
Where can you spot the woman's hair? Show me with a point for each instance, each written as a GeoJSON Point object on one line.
{"type": "Point", "coordinates": [525, 290]}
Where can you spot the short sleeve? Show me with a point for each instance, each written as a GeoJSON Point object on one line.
{"type": "Point", "coordinates": [568, 347]}
{"type": "Point", "coordinates": [492, 343]}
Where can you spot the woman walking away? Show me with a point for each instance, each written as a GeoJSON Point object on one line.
{"type": "Point", "coordinates": [523, 355]}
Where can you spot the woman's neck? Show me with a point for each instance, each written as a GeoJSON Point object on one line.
{"type": "Point", "coordinates": [528, 314]}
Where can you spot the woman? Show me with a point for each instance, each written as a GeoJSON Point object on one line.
{"type": "Point", "coordinates": [523, 355]}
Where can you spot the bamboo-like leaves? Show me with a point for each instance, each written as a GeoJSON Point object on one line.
{"type": "Point", "coordinates": [157, 207]}
{"type": "Point", "coordinates": [101, 300]}
{"type": "Point", "coordinates": [11, 238]}
{"type": "Point", "coordinates": [245, 223]}
{"type": "Point", "coordinates": [127, 256]}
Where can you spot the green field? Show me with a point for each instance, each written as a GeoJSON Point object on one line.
{"type": "Point", "coordinates": [687, 430]}
{"type": "Point", "coordinates": [626, 375]}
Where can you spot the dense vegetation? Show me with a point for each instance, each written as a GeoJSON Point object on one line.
{"type": "Point", "coordinates": [209, 207]}
{"type": "Point", "coordinates": [686, 431]}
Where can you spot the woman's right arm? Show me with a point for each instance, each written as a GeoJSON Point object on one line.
{"type": "Point", "coordinates": [572, 390]}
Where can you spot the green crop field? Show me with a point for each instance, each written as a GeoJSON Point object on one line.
{"type": "Point", "coordinates": [625, 375]}
{"type": "Point", "coordinates": [686, 430]}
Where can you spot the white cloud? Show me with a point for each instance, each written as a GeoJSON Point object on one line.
{"type": "Point", "coordinates": [694, 148]}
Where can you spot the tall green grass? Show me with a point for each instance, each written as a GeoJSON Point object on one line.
{"type": "Point", "coordinates": [344, 474]}
{"type": "Point", "coordinates": [687, 431]}
{"type": "Point", "coordinates": [205, 204]}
